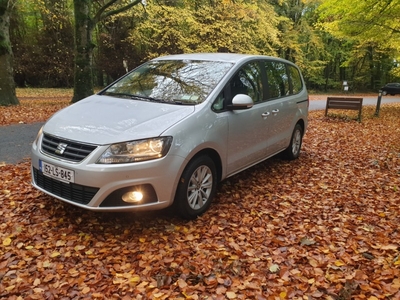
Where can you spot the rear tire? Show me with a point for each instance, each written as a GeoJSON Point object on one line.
{"type": "Point", "coordinates": [293, 150]}
{"type": "Point", "coordinates": [196, 188]}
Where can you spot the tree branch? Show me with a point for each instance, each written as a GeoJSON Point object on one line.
{"type": "Point", "coordinates": [102, 14]}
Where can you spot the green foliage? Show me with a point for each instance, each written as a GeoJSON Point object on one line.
{"type": "Point", "coordinates": [42, 38]}
{"type": "Point", "coordinates": [369, 20]}
{"type": "Point", "coordinates": [331, 40]}
{"type": "Point", "coordinates": [301, 42]}
{"type": "Point", "coordinates": [373, 27]}
{"type": "Point", "coordinates": [224, 27]}
{"type": "Point", "coordinates": [4, 6]}
{"type": "Point", "coordinates": [113, 49]}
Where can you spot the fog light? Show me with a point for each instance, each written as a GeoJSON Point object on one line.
{"type": "Point", "coordinates": [132, 197]}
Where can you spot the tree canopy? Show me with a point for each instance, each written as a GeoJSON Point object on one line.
{"type": "Point", "coordinates": [66, 43]}
{"type": "Point", "coordinates": [367, 23]}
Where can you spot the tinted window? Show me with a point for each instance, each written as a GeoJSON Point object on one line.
{"type": "Point", "coordinates": [278, 80]}
{"type": "Point", "coordinates": [248, 81]}
{"type": "Point", "coordinates": [295, 77]}
{"type": "Point", "coordinates": [219, 102]}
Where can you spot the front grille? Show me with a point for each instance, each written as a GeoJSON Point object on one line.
{"type": "Point", "coordinates": [73, 151]}
{"type": "Point", "coordinates": [73, 192]}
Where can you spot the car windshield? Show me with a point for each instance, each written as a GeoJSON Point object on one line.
{"type": "Point", "coordinates": [172, 81]}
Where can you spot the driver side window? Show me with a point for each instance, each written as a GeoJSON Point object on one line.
{"type": "Point", "coordinates": [248, 81]}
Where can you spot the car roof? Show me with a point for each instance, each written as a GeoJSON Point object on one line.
{"type": "Point", "coordinates": [223, 57]}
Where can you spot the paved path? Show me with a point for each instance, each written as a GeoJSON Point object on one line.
{"type": "Point", "coordinates": [16, 140]}
{"type": "Point", "coordinates": [320, 103]}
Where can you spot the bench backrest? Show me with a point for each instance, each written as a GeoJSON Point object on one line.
{"type": "Point", "coordinates": [344, 103]}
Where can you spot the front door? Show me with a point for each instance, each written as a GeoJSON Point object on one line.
{"type": "Point", "coordinates": [248, 128]}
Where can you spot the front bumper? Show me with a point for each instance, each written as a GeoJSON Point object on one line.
{"type": "Point", "coordinates": [99, 187]}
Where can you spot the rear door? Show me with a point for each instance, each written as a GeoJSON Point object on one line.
{"type": "Point", "coordinates": [282, 105]}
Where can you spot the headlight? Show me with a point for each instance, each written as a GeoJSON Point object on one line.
{"type": "Point", "coordinates": [38, 136]}
{"type": "Point", "coordinates": [134, 151]}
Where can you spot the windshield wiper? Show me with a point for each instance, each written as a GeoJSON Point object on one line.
{"type": "Point", "coordinates": [130, 96]}
{"type": "Point", "coordinates": [147, 98]}
{"type": "Point", "coordinates": [121, 95]}
{"type": "Point", "coordinates": [180, 102]}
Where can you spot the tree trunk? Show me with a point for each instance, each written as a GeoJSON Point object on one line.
{"type": "Point", "coordinates": [7, 84]}
{"type": "Point", "coordinates": [83, 73]}
{"type": "Point", "coordinates": [84, 25]}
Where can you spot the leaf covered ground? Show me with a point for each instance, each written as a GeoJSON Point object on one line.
{"type": "Point", "coordinates": [325, 226]}
{"type": "Point", "coordinates": [36, 105]}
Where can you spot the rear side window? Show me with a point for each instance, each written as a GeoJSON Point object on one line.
{"type": "Point", "coordinates": [278, 79]}
{"type": "Point", "coordinates": [297, 83]}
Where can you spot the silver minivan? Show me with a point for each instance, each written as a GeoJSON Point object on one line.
{"type": "Point", "coordinates": [170, 130]}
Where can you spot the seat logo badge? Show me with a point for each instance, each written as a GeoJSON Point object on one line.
{"type": "Point", "coordinates": [61, 148]}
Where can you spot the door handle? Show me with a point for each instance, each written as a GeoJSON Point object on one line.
{"type": "Point", "coordinates": [265, 115]}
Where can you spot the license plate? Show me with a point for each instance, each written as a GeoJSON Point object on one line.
{"type": "Point", "coordinates": [59, 173]}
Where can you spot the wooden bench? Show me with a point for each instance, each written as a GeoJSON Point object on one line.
{"type": "Point", "coordinates": [347, 103]}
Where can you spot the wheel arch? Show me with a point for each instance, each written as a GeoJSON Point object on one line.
{"type": "Point", "coordinates": [181, 200]}
{"type": "Point", "coordinates": [302, 124]}
{"type": "Point", "coordinates": [214, 156]}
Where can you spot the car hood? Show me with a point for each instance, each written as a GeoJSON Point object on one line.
{"type": "Point", "coordinates": [105, 120]}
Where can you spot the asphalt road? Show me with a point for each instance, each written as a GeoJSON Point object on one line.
{"type": "Point", "coordinates": [16, 140]}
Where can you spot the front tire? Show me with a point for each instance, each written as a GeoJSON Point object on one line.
{"type": "Point", "coordinates": [293, 150]}
{"type": "Point", "coordinates": [196, 188]}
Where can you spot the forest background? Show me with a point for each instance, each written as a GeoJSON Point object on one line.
{"type": "Point", "coordinates": [331, 40]}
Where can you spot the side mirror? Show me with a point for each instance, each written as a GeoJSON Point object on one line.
{"type": "Point", "coordinates": [241, 101]}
